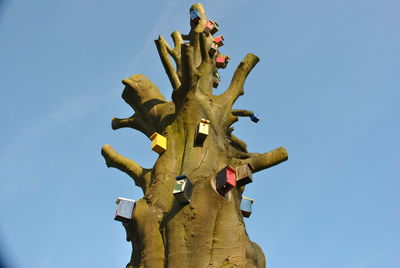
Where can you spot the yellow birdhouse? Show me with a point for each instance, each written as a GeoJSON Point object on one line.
{"type": "Point", "coordinates": [202, 130]}
{"type": "Point", "coordinates": [158, 143]}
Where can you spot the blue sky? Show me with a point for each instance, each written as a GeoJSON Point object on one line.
{"type": "Point", "coordinates": [327, 88]}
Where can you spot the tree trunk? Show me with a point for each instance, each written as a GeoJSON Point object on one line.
{"type": "Point", "coordinates": [209, 231]}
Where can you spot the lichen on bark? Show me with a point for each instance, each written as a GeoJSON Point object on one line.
{"type": "Point", "coordinates": [209, 231]}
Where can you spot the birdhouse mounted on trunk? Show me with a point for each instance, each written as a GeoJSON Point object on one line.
{"type": "Point", "coordinates": [244, 174]}
{"type": "Point", "coordinates": [124, 209]}
{"type": "Point", "coordinates": [211, 27]}
{"type": "Point", "coordinates": [226, 180]}
{"type": "Point", "coordinates": [158, 143]}
{"type": "Point", "coordinates": [213, 49]}
{"type": "Point", "coordinates": [202, 130]}
{"type": "Point", "coordinates": [195, 15]}
{"type": "Point", "coordinates": [183, 189]}
{"type": "Point", "coordinates": [254, 117]}
{"type": "Point", "coordinates": [245, 206]}
{"type": "Point", "coordinates": [217, 79]}
{"type": "Point", "coordinates": [219, 40]}
{"type": "Point", "coordinates": [222, 61]}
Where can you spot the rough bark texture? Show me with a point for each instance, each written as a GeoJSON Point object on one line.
{"type": "Point", "coordinates": [210, 231]}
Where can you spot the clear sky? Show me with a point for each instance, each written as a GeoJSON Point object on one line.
{"type": "Point", "coordinates": [327, 88]}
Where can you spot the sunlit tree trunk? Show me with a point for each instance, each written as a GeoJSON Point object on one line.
{"type": "Point", "coordinates": [209, 231]}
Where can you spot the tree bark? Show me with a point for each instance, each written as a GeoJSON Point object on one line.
{"type": "Point", "coordinates": [209, 231]}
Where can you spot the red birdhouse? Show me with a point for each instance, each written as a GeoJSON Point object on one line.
{"type": "Point", "coordinates": [211, 27]}
{"type": "Point", "coordinates": [219, 40]}
{"type": "Point", "coordinates": [222, 61]}
{"type": "Point", "coordinates": [226, 180]}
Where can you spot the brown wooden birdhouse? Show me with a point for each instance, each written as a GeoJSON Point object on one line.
{"type": "Point", "coordinates": [226, 180]}
{"type": "Point", "coordinates": [244, 174]}
{"type": "Point", "coordinates": [158, 143]}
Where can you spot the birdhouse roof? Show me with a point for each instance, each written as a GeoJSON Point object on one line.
{"type": "Point", "coordinates": [154, 135]}
{"type": "Point", "coordinates": [181, 177]}
{"type": "Point", "coordinates": [231, 168]}
{"type": "Point", "coordinates": [122, 198]}
{"type": "Point", "coordinates": [252, 200]}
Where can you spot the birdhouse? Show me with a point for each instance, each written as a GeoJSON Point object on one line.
{"type": "Point", "coordinates": [226, 180]}
{"type": "Point", "coordinates": [216, 82]}
{"type": "Point", "coordinates": [217, 75]}
{"type": "Point", "coordinates": [219, 40]}
{"type": "Point", "coordinates": [183, 189]}
{"type": "Point", "coordinates": [222, 61]}
{"type": "Point", "coordinates": [195, 15]}
{"type": "Point", "coordinates": [255, 118]}
{"type": "Point", "coordinates": [202, 130]}
{"type": "Point", "coordinates": [124, 209]}
{"type": "Point", "coordinates": [215, 28]}
{"type": "Point", "coordinates": [213, 49]}
{"type": "Point", "coordinates": [217, 79]}
{"type": "Point", "coordinates": [158, 143]}
{"type": "Point", "coordinates": [211, 27]}
{"type": "Point", "coordinates": [245, 206]}
{"type": "Point", "coordinates": [244, 174]}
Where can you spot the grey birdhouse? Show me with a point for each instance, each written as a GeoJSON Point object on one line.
{"type": "Point", "coordinates": [124, 209]}
{"type": "Point", "coordinates": [244, 174]}
{"type": "Point", "coordinates": [245, 206]}
{"type": "Point", "coordinates": [183, 189]}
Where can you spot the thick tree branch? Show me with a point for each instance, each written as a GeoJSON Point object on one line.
{"type": "Point", "coordinates": [176, 52]}
{"type": "Point", "coordinates": [132, 122]}
{"type": "Point", "coordinates": [163, 49]}
{"type": "Point", "coordinates": [150, 106]}
{"type": "Point", "coordinates": [238, 143]}
{"type": "Point", "coordinates": [235, 88]}
{"type": "Point", "coordinates": [267, 160]}
{"type": "Point", "coordinates": [140, 175]}
{"type": "Point", "coordinates": [242, 113]}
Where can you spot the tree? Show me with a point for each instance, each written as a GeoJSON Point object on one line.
{"type": "Point", "coordinates": [209, 231]}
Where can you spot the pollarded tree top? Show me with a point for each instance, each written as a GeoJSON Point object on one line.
{"type": "Point", "coordinates": [209, 231]}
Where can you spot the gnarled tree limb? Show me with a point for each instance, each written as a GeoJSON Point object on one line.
{"type": "Point", "coordinates": [132, 122]}
{"type": "Point", "coordinates": [163, 49]}
{"type": "Point", "coordinates": [242, 113]}
{"type": "Point", "coordinates": [267, 160]}
{"type": "Point", "coordinates": [235, 88]}
{"type": "Point", "coordinates": [140, 175]}
{"type": "Point", "coordinates": [149, 104]}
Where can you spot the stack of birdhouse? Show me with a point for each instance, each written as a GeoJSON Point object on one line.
{"type": "Point", "coordinates": [183, 189]}
{"type": "Point", "coordinates": [124, 209]}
